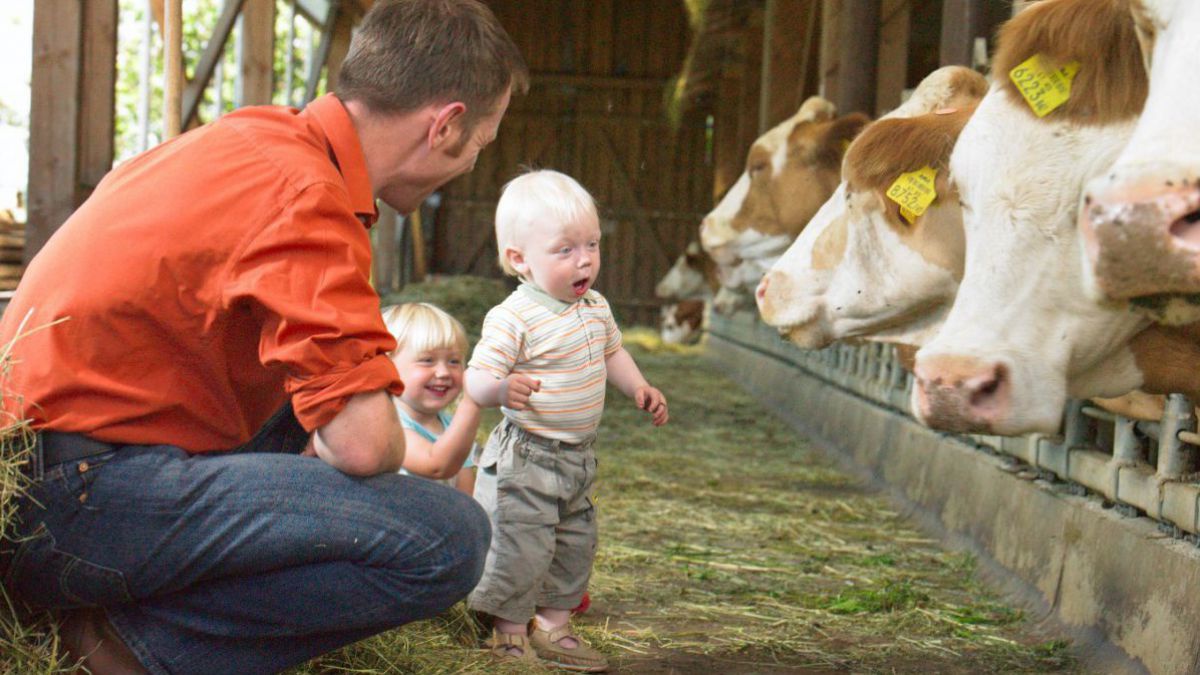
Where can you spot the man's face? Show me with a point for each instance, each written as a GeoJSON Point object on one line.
{"type": "Point", "coordinates": [453, 157]}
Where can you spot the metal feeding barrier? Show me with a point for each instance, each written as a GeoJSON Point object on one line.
{"type": "Point", "coordinates": [1140, 468]}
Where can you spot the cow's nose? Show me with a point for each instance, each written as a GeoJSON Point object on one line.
{"type": "Point", "coordinates": [760, 293]}
{"type": "Point", "coordinates": [1143, 238]}
{"type": "Point", "coordinates": [961, 393]}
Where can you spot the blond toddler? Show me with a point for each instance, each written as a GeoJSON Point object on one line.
{"type": "Point", "coordinates": [545, 356]}
{"type": "Point", "coordinates": [430, 356]}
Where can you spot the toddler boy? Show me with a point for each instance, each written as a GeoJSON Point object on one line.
{"type": "Point", "coordinates": [544, 356]}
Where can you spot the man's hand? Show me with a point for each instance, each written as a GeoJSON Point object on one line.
{"type": "Point", "coordinates": [652, 401]}
{"type": "Point", "coordinates": [516, 390]}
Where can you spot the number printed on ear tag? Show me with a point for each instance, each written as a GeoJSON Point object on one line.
{"type": "Point", "coordinates": [1044, 88]}
{"type": "Point", "coordinates": [914, 192]}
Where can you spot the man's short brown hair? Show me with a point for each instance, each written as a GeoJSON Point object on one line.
{"type": "Point", "coordinates": [410, 53]}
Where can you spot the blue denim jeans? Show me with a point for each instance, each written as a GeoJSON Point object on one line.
{"type": "Point", "coordinates": [244, 562]}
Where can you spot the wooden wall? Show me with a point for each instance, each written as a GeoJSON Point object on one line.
{"type": "Point", "coordinates": [594, 111]}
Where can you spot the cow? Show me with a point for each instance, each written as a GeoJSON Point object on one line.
{"type": "Point", "coordinates": [1022, 333]}
{"type": "Point", "coordinates": [790, 171]}
{"type": "Point", "coordinates": [1141, 219]}
{"type": "Point", "coordinates": [689, 285]}
{"type": "Point", "coordinates": [683, 322]}
{"type": "Point", "coordinates": [860, 269]}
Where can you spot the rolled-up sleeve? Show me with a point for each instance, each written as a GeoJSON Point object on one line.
{"type": "Point", "coordinates": [308, 272]}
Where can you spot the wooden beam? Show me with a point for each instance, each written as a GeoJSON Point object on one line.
{"type": "Point", "coordinates": [857, 55]}
{"type": "Point", "coordinates": [892, 67]}
{"type": "Point", "coordinates": [787, 32]}
{"type": "Point", "coordinates": [751, 77]}
{"type": "Point", "coordinates": [213, 51]}
{"type": "Point", "coordinates": [961, 22]}
{"type": "Point", "coordinates": [258, 52]}
{"type": "Point", "coordinates": [342, 32]}
{"type": "Point", "coordinates": [53, 118]}
{"type": "Point", "coordinates": [173, 65]}
{"type": "Point", "coordinates": [98, 94]}
{"type": "Point", "coordinates": [322, 55]}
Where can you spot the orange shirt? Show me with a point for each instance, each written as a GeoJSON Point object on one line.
{"type": "Point", "coordinates": [207, 281]}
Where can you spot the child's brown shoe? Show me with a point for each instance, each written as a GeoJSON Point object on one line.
{"type": "Point", "coordinates": [511, 646]}
{"type": "Point", "coordinates": [580, 658]}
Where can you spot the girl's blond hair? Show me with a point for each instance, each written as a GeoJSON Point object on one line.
{"type": "Point", "coordinates": [421, 327]}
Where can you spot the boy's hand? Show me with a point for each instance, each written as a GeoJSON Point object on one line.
{"type": "Point", "coordinates": [652, 401]}
{"type": "Point", "coordinates": [516, 390]}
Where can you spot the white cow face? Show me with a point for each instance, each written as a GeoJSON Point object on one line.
{"type": "Point", "coordinates": [692, 276]}
{"type": "Point", "coordinates": [790, 171]}
{"type": "Point", "coordinates": [861, 270]}
{"type": "Point", "coordinates": [1022, 334]}
{"type": "Point", "coordinates": [1141, 220]}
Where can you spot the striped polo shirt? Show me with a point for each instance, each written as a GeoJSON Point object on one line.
{"type": "Point", "coordinates": [563, 345]}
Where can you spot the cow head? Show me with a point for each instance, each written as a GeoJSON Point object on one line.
{"type": "Point", "coordinates": [861, 269]}
{"type": "Point", "coordinates": [1141, 219]}
{"type": "Point", "coordinates": [790, 171]}
{"type": "Point", "coordinates": [682, 322]}
{"type": "Point", "coordinates": [1022, 334]}
{"type": "Point", "coordinates": [694, 275]}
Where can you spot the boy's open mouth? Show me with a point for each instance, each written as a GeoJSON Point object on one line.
{"type": "Point", "coordinates": [580, 287]}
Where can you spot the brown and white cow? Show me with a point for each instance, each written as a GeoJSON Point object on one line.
{"type": "Point", "coordinates": [860, 269]}
{"type": "Point", "coordinates": [1023, 334]}
{"type": "Point", "coordinates": [689, 285]}
{"type": "Point", "coordinates": [790, 171]}
{"type": "Point", "coordinates": [1141, 219]}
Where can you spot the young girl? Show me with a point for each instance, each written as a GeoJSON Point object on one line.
{"type": "Point", "coordinates": [430, 350]}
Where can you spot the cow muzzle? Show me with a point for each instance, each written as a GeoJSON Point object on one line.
{"type": "Point", "coordinates": [799, 319]}
{"type": "Point", "coordinates": [961, 394]}
{"type": "Point", "coordinates": [1143, 238]}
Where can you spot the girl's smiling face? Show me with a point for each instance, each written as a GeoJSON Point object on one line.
{"type": "Point", "coordinates": [433, 378]}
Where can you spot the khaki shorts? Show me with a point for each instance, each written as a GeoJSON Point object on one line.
{"type": "Point", "coordinates": [538, 494]}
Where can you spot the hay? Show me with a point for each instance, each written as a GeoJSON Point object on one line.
{"type": "Point", "coordinates": [466, 298]}
{"type": "Point", "coordinates": [727, 546]}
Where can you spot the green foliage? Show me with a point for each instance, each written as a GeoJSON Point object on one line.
{"type": "Point", "coordinates": [893, 596]}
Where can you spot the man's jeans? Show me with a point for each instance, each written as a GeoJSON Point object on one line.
{"type": "Point", "coordinates": [244, 562]}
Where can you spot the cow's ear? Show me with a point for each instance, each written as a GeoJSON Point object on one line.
{"type": "Point", "coordinates": [816, 109]}
{"type": "Point", "coordinates": [844, 130]}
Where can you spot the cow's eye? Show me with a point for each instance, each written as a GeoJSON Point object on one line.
{"type": "Point", "coordinates": [757, 168]}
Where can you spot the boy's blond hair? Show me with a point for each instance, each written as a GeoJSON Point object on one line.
{"type": "Point", "coordinates": [421, 327]}
{"type": "Point", "coordinates": [535, 196]}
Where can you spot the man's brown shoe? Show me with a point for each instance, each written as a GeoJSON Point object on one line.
{"type": "Point", "coordinates": [89, 639]}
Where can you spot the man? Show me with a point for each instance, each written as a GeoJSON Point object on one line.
{"type": "Point", "coordinates": [216, 487]}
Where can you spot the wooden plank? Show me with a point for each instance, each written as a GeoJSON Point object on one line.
{"type": "Point", "coordinates": [258, 52]}
{"type": "Point", "coordinates": [892, 67]}
{"type": "Point", "coordinates": [858, 54]}
{"type": "Point", "coordinates": [751, 79]}
{"type": "Point", "coordinates": [342, 32]}
{"type": "Point", "coordinates": [830, 21]}
{"type": "Point", "coordinates": [53, 118]}
{"type": "Point", "coordinates": [786, 35]}
{"type": "Point", "coordinates": [173, 67]}
{"type": "Point", "coordinates": [600, 42]}
{"type": "Point", "coordinates": [98, 93]}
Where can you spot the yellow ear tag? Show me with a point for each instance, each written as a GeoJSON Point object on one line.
{"type": "Point", "coordinates": [1044, 88]}
{"type": "Point", "coordinates": [914, 192]}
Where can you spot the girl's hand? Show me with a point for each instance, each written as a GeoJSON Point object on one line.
{"type": "Point", "coordinates": [516, 390]}
{"type": "Point", "coordinates": [652, 401]}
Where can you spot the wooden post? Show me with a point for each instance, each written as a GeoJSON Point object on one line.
{"type": "Point", "coordinates": [71, 110]}
{"type": "Point", "coordinates": [894, 40]}
{"type": "Point", "coordinates": [173, 66]}
{"type": "Point", "coordinates": [420, 269]}
{"type": "Point", "coordinates": [751, 79]}
{"type": "Point", "coordinates": [787, 33]}
{"type": "Point", "coordinates": [338, 49]}
{"type": "Point", "coordinates": [385, 256]}
{"type": "Point", "coordinates": [258, 52]}
{"type": "Point", "coordinates": [965, 20]}
{"type": "Point", "coordinates": [857, 54]}
{"type": "Point", "coordinates": [96, 123]}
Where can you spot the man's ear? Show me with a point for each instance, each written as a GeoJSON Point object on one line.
{"type": "Point", "coordinates": [516, 260]}
{"type": "Point", "coordinates": [441, 130]}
